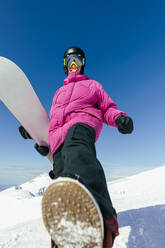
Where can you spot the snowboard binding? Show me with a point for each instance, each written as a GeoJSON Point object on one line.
{"type": "Point", "coordinates": [71, 215]}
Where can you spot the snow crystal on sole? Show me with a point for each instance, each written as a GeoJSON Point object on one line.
{"type": "Point", "coordinates": [78, 233]}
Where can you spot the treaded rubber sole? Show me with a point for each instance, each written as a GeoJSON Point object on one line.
{"type": "Point", "coordinates": [71, 215]}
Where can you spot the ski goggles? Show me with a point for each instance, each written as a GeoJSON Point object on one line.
{"type": "Point", "coordinates": [76, 58]}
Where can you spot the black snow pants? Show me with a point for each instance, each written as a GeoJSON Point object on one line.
{"type": "Point", "coordinates": [76, 158]}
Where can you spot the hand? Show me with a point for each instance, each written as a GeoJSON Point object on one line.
{"type": "Point", "coordinates": [24, 133]}
{"type": "Point", "coordinates": [51, 174]}
{"type": "Point", "coordinates": [124, 124]}
{"type": "Point", "coordinates": [43, 150]}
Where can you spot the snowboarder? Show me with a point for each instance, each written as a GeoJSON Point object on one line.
{"type": "Point", "coordinates": [78, 112]}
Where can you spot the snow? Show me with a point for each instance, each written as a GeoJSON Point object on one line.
{"type": "Point", "coordinates": [139, 201]}
{"type": "Point", "coordinates": [73, 231]}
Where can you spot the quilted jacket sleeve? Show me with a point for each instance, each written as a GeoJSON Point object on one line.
{"type": "Point", "coordinates": [52, 107]}
{"type": "Point", "coordinates": [108, 107]}
{"type": "Point", "coordinates": [51, 113]}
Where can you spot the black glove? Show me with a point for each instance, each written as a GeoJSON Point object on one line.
{"type": "Point", "coordinates": [124, 124]}
{"type": "Point", "coordinates": [24, 133]}
{"type": "Point", "coordinates": [43, 150]}
{"type": "Point", "coordinates": [51, 174]}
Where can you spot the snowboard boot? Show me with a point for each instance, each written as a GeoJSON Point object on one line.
{"type": "Point", "coordinates": [71, 215]}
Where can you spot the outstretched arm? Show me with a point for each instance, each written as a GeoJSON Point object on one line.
{"type": "Point", "coordinates": [111, 115]}
{"type": "Point", "coordinates": [108, 107]}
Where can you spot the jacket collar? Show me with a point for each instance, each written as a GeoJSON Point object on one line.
{"type": "Point", "coordinates": [74, 77]}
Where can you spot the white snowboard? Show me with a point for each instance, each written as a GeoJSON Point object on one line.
{"type": "Point", "coordinates": [19, 97]}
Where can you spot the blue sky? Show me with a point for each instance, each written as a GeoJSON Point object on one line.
{"type": "Point", "coordinates": [124, 46]}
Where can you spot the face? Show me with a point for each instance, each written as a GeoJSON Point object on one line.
{"type": "Point", "coordinates": [74, 68]}
{"type": "Point", "coordinates": [74, 62]}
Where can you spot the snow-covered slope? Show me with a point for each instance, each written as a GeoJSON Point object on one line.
{"type": "Point", "coordinates": [139, 201]}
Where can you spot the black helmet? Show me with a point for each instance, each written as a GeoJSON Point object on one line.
{"type": "Point", "coordinates": [77, 52]}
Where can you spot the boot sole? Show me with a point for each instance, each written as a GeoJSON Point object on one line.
{"type": "Point", "coordinates": [71, 215]}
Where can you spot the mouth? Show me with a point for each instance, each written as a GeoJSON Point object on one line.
{"type": "Point", "coordinates": [74, 67]}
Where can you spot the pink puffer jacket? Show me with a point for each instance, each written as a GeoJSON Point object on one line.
{"type": "Point", "coordinates": [80, 100]}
